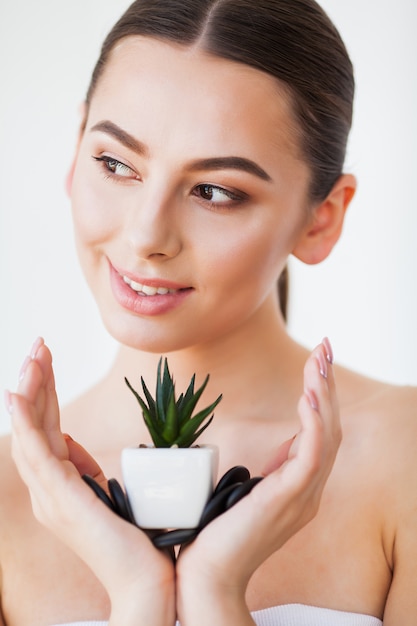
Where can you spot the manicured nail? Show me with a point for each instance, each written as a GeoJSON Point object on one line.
{"type": "Point", "coordinates": [322, 363]}
{"type": "Point", "coordinates": [38, 343]}
{"type": "Point", "coordinates": [328, 347]}
{"type": "Point", "coordinates": [8, 401]}
{"type": "Point", "coordinates": [67, 437]}
{"type": "Point", "coordinates": [311, 396]}
{"type": "Point", "coordinates": [24, 368]}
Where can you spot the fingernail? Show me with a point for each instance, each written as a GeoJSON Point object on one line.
{"type": "Point", "coordinates": [322, 363]}
{"type": "Point", "coordinates": [35, 347]}
{"type": "Point", "coordinates": [8, 401]}
{"type": "Point", "coordinates": [311, 396]}
{"type": "Point", "coordinates": [67, 437]}
{"type": "Point", "coordinates": [24, 368]}
{"type": "Point", "coordinates": [329, 351]}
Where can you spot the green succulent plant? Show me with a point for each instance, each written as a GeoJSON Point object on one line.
{"type": "Point", "coordinates": [170, 420]}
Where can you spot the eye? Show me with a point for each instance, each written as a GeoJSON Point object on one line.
{"type": "Point", "coordinates": [218, 196]}
{"type": "Point", "coordinates": [114, 168]}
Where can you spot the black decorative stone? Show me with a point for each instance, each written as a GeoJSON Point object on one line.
{"type": "Point", "coordinates": [232, 487]}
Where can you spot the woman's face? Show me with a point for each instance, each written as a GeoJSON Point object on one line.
{"type": "Point", "coordinates": [188, 194]}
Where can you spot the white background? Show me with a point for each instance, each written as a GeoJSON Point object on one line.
{"type": "Point", "coordinates": [364, 297]}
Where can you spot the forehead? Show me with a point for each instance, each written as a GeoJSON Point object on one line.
{"type": "Point", "coordinates": [161, 88]}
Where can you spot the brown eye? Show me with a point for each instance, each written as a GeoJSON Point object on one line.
{"type": "Point", "coordinates": [206, 192]}
{"type": "Point", "coordinates": [115, 167]}
{"type": "Point", "coordinates": [218, 195]}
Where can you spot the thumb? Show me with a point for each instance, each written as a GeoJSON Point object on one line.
{"type": "Point", "coordinates": [279, 457]}
{"type": "Point", "coordinates": [83, 460]}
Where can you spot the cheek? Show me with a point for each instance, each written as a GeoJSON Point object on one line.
{"type": "Point", "coordinates": [247, 262]}
{"type": "Point", "coordinates": [93, 215]}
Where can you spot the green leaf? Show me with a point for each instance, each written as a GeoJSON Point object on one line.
{"type": "Point", "coordinates": [168, 385]}
{"type": "Point", "coordinates": [191, 399]}
{"type": "Point", "coordinates": [164, 388]}
{"type": "Point", "coordinates": [149, 417]}
{"type": "Point", "coordinates": [149, 398]}
{"type": "Point", "coordinates": [159, 395]}
{"type": "Point", "coordinates": [137, 396]}
{"type": "Point", "coordinates": [189, 429]}
{"type": "Point", "coordinates": [183, 400]}
{"type": "Point", "coordinates": [202, 429]}
{"type": "Point", "coordinates": [188, 437]}
{"type": "Point", "coordinates": [158, 441]}
{"type": "Point", "coordinates": [170, 431]}
{"type": "Point", "coordinates": [168, 420]}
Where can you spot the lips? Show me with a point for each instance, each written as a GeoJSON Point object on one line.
{"type": "Point", "coordinates": [148, 297]}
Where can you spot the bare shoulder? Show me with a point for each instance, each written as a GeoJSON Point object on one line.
{"type": "Point", "coordinates": [14, 509]}
{"type": "Point", "coordinates": [379, 423]}
{"type": "Point", "coordinates": [14, 500]}
{"type": "Point", "coordinates": [398, 462]}
{"type": "Point", "coordinates": [16, 517]}
{"type": "Point", "coordinates": [378, 400]}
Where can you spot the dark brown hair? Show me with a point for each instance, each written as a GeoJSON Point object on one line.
{"type": "Point", "coordinates": [292, 40]}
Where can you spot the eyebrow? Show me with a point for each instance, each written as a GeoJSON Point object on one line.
{"type": "Point", "coordinates": [213, 163]}
{"type": "Point", "coordinates": [231, 162]}
{"type": "Point", "coordinates": [122, 136]}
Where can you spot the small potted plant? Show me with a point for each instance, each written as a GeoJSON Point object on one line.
{"type": "Point", "coordinates": [169, 482]}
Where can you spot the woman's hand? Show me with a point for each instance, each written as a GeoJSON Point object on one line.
{"type": "Point", "coordinates": [139, 579]}
{"type": "Point", "coordinates": [213, 572]}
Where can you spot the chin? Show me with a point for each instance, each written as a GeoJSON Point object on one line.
{"type": "Point", "coordinates": [147, 338]}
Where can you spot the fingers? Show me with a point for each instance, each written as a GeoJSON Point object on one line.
{"type": "Point", "coordinates": [56, 490]}
{"type": "Point", "coordinates": [50, 464]}
{"type": "Point", "coordinates": [60, 499]}
{"type": "Point", "coordinates": [238, 541]}
{"type": "Point", "coordinates": [320, 390]}
{"type": "Point", "coordinates": [35, 420]}
{"type": "Point", "coordinates": [292, 489]}
{"type": "Point", "coordinates": [31, 379]}
{"type": "Point", "coordinates": [318, 410]}
{"type": "Point", "coordinates": [279, 457]}
{"type": "Point", "coordinates": [38, 446]}
{"type": "Point", "coordinates": [84, 462]}
{"type": "Point", "coordinates": [37, 386]}
{"type": "Point", "coordinates": [317, 443]}
{"type": "Point", "coordinates": [31, 445]}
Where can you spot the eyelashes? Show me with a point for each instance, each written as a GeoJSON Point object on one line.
{"type": "Point", "coordinates": [218, 196]}
{"type": "Point", "coordinates": [116, 169]}
{"type": "Point", "coordinates": [213, 196]}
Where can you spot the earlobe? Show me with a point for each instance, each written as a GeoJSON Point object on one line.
{"type": "Point", "coordinates": [325, 226]}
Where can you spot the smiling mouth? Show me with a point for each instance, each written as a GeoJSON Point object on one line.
{"type": "Point", "coordinates": [147, 290]}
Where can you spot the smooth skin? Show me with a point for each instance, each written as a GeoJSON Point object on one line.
{"type": "Point", "coordinates": [332, 524]}
{"type": "Point", "coordinates": [140, 579]}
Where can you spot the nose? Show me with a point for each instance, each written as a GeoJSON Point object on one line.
{"type": "Point", "coordinates": [153, 228]}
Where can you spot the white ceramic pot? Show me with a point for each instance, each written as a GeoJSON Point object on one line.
{"type": "Point", "coordinates": [169, 487]}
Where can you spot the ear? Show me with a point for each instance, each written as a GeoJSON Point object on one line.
{"type": "Point", "coordinates": [326, 222]}
{"type": "Point", "coordinates": [70, 175]}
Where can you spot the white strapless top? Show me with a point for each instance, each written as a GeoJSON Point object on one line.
{"type": "Point", "coordinates": [292, 615]}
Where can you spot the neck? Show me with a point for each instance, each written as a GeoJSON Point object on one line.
{"type": "Point", "coordinates": [257, 368]}
{"type": "Point", "coordinates": [233, 360]}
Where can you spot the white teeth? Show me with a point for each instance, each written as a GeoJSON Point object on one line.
{"type": "Point", "coordinates": [136, 286]}
{"type": "Point", "coordinates": [149, 291]}
{"type": "Point", "coordinates": [146, 289]}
